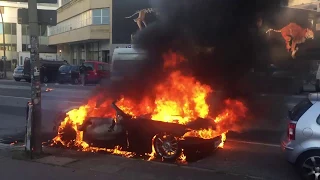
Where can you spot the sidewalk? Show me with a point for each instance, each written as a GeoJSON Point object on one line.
{"type": "Point", "coordinates": [67, 164]}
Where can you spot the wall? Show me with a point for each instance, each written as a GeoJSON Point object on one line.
{"type": "Point", "coordinates": [298, 2]}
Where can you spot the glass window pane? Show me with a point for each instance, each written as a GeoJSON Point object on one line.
{"type": "Point", "coordinates": [7, 28]}
{"type": "Point", "coordinates": [43, 30]}
{"type": "Point", "coordinates": [14, 29]}
{"type": "Point", "coordinates": [96, 20]}
{"type": "Point", "coordinates": [1, 29]}
{"type": "Point", "coordinates": [105, 20]}
{"type": "Point", "coordinates": [105, 12]}
{"type": "Point", "coordinates": [14, 47]}
{"type": "Point", "coordinates": [96, 12]}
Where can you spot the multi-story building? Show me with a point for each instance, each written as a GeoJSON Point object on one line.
{"type": "Point", "coordinates": [83, 31]}
{"type": "Point", "coordinates": [91, 29]}
{"type": "Point", "coordinates": [17, 35]}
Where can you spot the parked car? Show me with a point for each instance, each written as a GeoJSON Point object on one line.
{"type": "Point", "coordinates": [69, 73]}
{"type": "Point", "coordinates": [48, 70]}
{"type": "Point", "coordinates": [96, 71]}
{"type": "Point", "coordinates": [18, 73]}
{"type": "Point", "coordinates": [301, 143]}
{"type": "Point", "coordinates": [126, 63]}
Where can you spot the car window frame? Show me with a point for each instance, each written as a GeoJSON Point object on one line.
{"type": "Point", "coordinates": [89, 64]}
{"type": "Point", "coordinates": [100, 69]}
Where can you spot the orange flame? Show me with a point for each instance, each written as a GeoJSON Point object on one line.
{"type": "Point", "coordinates": [178, 99]}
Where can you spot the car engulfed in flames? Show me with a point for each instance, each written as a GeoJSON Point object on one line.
{"type": "Point", "coordinates": [173, 119]}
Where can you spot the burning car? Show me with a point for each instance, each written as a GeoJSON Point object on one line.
{"type": "Point", "coordinates": [171, 119]}
{"type": "Point", "coordinates": [142, 135]}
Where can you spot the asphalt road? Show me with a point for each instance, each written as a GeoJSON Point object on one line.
{"type": "Point", "coordinates": [249, 159]}
{"type": "Point", "coordinates": [15, 95]}
{"type": "Point", "coordinates": [254, 153]}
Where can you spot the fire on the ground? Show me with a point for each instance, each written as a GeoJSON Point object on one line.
{"type": "Point", "coordinates": [179, 99]}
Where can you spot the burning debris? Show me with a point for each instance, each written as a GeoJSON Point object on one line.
{"type": "Point", "coordinates": [48, 89]}
{"type": "Point", "coordinates": [177, 104]}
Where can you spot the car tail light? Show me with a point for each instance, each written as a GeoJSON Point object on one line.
{"type": "Point", "coordinates": [292, 131]}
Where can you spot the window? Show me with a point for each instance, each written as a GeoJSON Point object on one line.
{"type": "Point", "coordinates": [105, 16]}
{"type": "Point", "coordinates": [25, 30]}
{"type": "Point", "coordinates": [101, 16]}
{"type": "Point", "coordinates": [81, 20]}
{"type": "Point", "coordinates": [42, 30]}
{"type": "Point", "coordinates": [100, 67]}
{"type": "Point", "coordinates": [89, 65]}
{"type": "Point", "coordinates": [14, 29]}
{"type": "Point", "coordinates": [318, 119]}
{"type": "Point", "coordinates": [9, 28]}
{"type": "Point", "coordinates": [299, 109]}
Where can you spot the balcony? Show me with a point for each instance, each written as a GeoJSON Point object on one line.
{"type": "Point", "coordinates": [75, 7]}
{"type": "Point", "coordinates": [92, 32]}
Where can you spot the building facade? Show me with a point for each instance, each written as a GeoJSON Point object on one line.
{"type": "Point", "coordinates": [83, 31]}
{"type": "Point", "coordinates": [17, 35]}
{"type": "Point", "coordinates": [92, 29]}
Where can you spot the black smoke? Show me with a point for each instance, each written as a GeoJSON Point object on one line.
{"type": "Point", "coordinates": [191, 27]}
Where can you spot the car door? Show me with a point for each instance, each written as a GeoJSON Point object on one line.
{"type": "Point", "coordinates": [90, 70]}
{"type": "Point", "coordinates": [75, 72]}
{"type": "Point", "coordinates": [103, 70]}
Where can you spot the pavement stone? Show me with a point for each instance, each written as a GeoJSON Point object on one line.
{"type": "Point", "coordinates": [55, 160]}
{"type": "Point", "coordinates": [98, 166]}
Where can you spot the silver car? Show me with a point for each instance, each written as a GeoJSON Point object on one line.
{"type": "Point", "coordinates": [18, 73]}
{"type": "Point", "coordinates": [301, 143]}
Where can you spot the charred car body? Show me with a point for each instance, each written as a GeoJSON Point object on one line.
{"type": "Point", "coordinates": [143, 135]}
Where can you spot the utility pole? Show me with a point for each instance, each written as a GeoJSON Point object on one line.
{"type": "Point", "coordinates": [4, 44]}
{"type": "Point", "coordinates": [36, 141]}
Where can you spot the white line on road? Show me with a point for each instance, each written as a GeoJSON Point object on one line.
{"type": "Point", "coordinates": [255, 143]}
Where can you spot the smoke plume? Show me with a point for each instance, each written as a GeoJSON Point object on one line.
{"type": "Point", "coordinates": [218, 37]}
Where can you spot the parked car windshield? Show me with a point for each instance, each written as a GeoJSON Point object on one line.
{"type": "Point", "coordinates": [19, 68]}
{"type": "Point", "coordinates": [64, 68]}
{"type": "Point", "coordinates": [89, 65]}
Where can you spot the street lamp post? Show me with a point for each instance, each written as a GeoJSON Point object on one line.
{"type": "Point", "coordinates": [4, 44]}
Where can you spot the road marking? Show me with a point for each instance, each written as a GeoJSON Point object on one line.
{"type": "Point", "coordinates": [255, 143]}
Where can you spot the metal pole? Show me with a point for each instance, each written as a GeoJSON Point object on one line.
{"type": "Point", "coordinates": [4, 46]}
{"type": "Point", "coordinates": [35, 77]}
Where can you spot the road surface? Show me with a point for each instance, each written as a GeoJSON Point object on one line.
{"type": "Point", "coordinates": [15, 95]}
{"type": "Point", "coordinates": [254, 153]}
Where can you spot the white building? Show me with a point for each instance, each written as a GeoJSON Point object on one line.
{"type": "Point", "coordinates": [17, 35]}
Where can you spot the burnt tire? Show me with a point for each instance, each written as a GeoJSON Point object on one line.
{"type": "Point", "coordinates": [166, 147]}
{"type": "Point", "coordinates": [308, 165]}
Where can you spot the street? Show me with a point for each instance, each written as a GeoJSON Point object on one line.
{"type": "Point", "coordinates": [15, 95]}
{"type": "Point", "coordinates": [253, 153]}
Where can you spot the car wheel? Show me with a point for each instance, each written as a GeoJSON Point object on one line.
{"type": "Point", "coordinates": [309, 165]}
{"type": "Point", "coordinates": [166, 146]}
{"type": "Point", "coordinates": [17, 79]}
{"type": "Point", "coordinates": [45, 79]}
